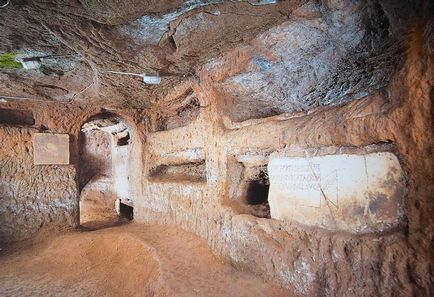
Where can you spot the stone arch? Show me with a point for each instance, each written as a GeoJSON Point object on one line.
{"type": "Point", "coordinates": [109, 171]}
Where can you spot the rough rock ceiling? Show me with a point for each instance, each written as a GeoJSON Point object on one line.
{"type": "Point", "coordinates": [324, 54]}
{"type": "Point", "coordinates": [266, 57]}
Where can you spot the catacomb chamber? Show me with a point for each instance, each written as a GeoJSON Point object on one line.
{"type": "Point", "coordinates": [291, 138]}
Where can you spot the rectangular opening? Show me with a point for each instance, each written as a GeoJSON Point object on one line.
{"type": "Point", "coordinates": [126, 211]}
{"type": "Point", "coordinates": [16, 117]}
{"type": "Point", "coordinates": [249, 188]}
{"type": "Point", "coordinates": [191, 172]}
{"type": "Point", "coordinates": [254, 191]}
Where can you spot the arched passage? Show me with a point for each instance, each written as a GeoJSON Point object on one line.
{"type": "Point", "coordinates": [108, 158]}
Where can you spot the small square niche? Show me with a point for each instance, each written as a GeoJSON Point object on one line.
{"type": "Point", "coordinates": [51, 149]}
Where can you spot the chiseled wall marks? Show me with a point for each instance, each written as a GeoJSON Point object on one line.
{"type": "Point", "coordinates": [307, 260]}
{"type": "Point", "coordinates": [32, 195]}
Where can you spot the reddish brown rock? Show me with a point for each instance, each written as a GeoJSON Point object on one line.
{"type": "Point", "coordinates": [331, 76]}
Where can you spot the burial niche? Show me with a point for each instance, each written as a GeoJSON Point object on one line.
{"type": "Point", "coordinates": [16, 117]}
{"type": "Point", "coordinates": [249, 186]}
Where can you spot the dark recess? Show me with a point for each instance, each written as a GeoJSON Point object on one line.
{"type": "Point", "coordinates": [16, 117]}
{"type": "Point", "coordinates": [124, 140]}
{"type": "Point", "coordinates": [126, 211]}
{"type": "Point", "coordinates": [257, 195]}
{"type": "Point", "coordinates": [257, 191]}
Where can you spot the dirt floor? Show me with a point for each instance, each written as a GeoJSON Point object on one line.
{"type": "Point", "coordinates": [126, 260]}
{"type": "Point", "coordinates": [94, 215]}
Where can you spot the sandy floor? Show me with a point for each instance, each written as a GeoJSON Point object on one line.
{"type": "Point", "coordinates": [127, 260]}
{"type": "Point", "coordinates": [95, 215]}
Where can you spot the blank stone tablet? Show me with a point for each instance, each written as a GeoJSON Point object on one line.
{"type": "Point", "coordinates": [51, 149]}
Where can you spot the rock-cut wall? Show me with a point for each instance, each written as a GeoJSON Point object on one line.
{"type": "Point", "coordinates": [381, 245]}
{"type": "Point", "coordinates": [32, 195]}
{"type": "Point", "coordinates": [207, 142]}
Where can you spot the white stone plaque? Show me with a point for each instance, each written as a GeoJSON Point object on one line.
{"type": "Point", "coordinates": [347, 191]}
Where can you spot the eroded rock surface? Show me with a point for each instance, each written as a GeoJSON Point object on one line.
{"type": "Point", "coordinates": [328, 53]}
{"type": "Point", "coordinates": [31, 195]}
{"type": "Point", "coordinates": [241, 82]}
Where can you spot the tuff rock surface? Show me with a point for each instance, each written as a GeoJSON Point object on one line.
{"type": "Point", "coordinates": [241, 81]}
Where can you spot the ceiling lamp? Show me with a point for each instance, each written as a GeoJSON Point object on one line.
{"type": "Point", "coordinates": [150, 79]}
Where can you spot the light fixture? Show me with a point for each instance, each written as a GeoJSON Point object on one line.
{"type": "Point", "coordinates": [30, 63]}
{"type": "Point", "coordinates": [150, 79]}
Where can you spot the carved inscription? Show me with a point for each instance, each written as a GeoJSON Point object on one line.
{"type": "Point", "coordinates": [328, 188]}
{"type": "Point", "coordinates": [302, 179]}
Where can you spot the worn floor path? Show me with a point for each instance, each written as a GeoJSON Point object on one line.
{"type": "Point", "coordinates": [128, 260]}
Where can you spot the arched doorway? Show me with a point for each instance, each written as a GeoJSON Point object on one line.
{"type": "Point", "coordinates": [106, 171]}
